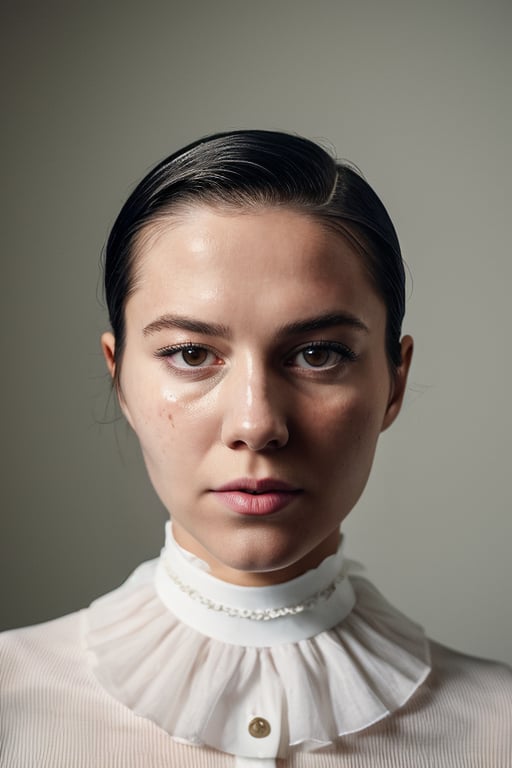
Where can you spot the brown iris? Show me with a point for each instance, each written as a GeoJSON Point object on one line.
{"type": "Point", "coordinates": [317, 356]}
{"type": "Point", "coordinates": [194, 355]}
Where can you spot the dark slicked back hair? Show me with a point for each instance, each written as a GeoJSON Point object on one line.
{"type": "Point", "coordinates": [254, 169]}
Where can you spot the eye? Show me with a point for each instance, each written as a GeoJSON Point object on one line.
{"type": "Point", "coordinates": [185, 356]}
{"type": "Point", "coordinates": [322, 355]}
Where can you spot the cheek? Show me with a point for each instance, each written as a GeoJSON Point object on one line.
{"type": "Point", "coordinates": [345, 447]}
{"type": "Point", "coordinates": [159, 430]}
{"type": "Point", "coordinates": [351, 419]}
{"type": "Point", "coordinates": [173, 433]}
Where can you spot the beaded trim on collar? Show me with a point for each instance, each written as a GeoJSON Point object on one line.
{"type": "Point", "coordinates": [259, 614]}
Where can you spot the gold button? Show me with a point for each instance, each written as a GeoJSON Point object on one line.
{"type": "Point", "coordinates": [259, 727]}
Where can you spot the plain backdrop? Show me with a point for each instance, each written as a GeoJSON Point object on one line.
{"type": "Point", "coordinates": [418, 95]}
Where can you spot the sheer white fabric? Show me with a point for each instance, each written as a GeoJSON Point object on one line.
{"type": "Point", "coordinates": [336, 667]}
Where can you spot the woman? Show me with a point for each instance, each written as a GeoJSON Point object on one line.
{"type": "Point", "coordinates": [256, 295]}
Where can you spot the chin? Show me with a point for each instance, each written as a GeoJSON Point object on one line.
{"type": "Point", "coordinates": [257, 552]}
{"type": "Point", "coordinates": [269, 560]}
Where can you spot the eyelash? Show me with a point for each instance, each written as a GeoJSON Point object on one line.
{"type": "Point", "coordinates": [345, 353]}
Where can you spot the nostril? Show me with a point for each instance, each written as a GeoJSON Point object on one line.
{"type": "Point", "coordinates": [258, 443]}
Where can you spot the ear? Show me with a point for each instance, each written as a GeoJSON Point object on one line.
{"type": "Point", "coordinates": [398, 383]}
{"type": "Point", "coordinates": [108, 346]}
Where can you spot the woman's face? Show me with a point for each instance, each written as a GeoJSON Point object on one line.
{"type": "Point", "coordinates": [256, 378]}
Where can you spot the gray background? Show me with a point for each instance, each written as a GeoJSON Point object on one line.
{"type": "Point", "coordinates": [418, 95]}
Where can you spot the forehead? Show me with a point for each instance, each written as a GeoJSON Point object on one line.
{"type": "Point", "coordinates": [271, 259]}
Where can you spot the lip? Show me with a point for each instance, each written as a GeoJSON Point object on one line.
{"type": "Point", "coordinates": [249, 496]}
{"type": "Point", "coordinates": [251, 484]}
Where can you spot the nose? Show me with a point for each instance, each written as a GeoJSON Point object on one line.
{"type": "Point", "coordinates": [254, 411]}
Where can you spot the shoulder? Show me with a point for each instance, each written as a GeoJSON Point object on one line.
{"type": "Point", "coordinates": [55, 649]}
{"type": "Point", "coordinates": [469, 672]}
{"type": "Point", "coordinates": [472, 694]}
{"type": "Point", "coordinates": [62, 631]}
{"type": "Point", "coordinates": [40, 651]}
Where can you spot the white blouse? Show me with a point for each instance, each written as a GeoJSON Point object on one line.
{"type": "Point", "coordinates": [320, 671]}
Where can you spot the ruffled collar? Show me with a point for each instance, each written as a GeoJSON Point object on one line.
{"type": "Point", "coordinates": [254, 671]}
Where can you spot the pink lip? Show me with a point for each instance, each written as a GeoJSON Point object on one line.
{"type": "Point", "coordinates": [248, 496]}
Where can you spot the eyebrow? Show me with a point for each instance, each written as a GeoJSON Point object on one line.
{"type": "Point", "coordinates": [184, 323]}
{"type": "Point", "coordinates": [317, 323]}
{"type": "Point", "coordinates": [321, 322]}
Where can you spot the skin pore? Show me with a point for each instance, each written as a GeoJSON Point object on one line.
{"type": "Point", "coordinates": [255, 349]}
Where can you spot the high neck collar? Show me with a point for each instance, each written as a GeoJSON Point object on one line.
{"type": "Point", "coordinates": [253, 616]}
